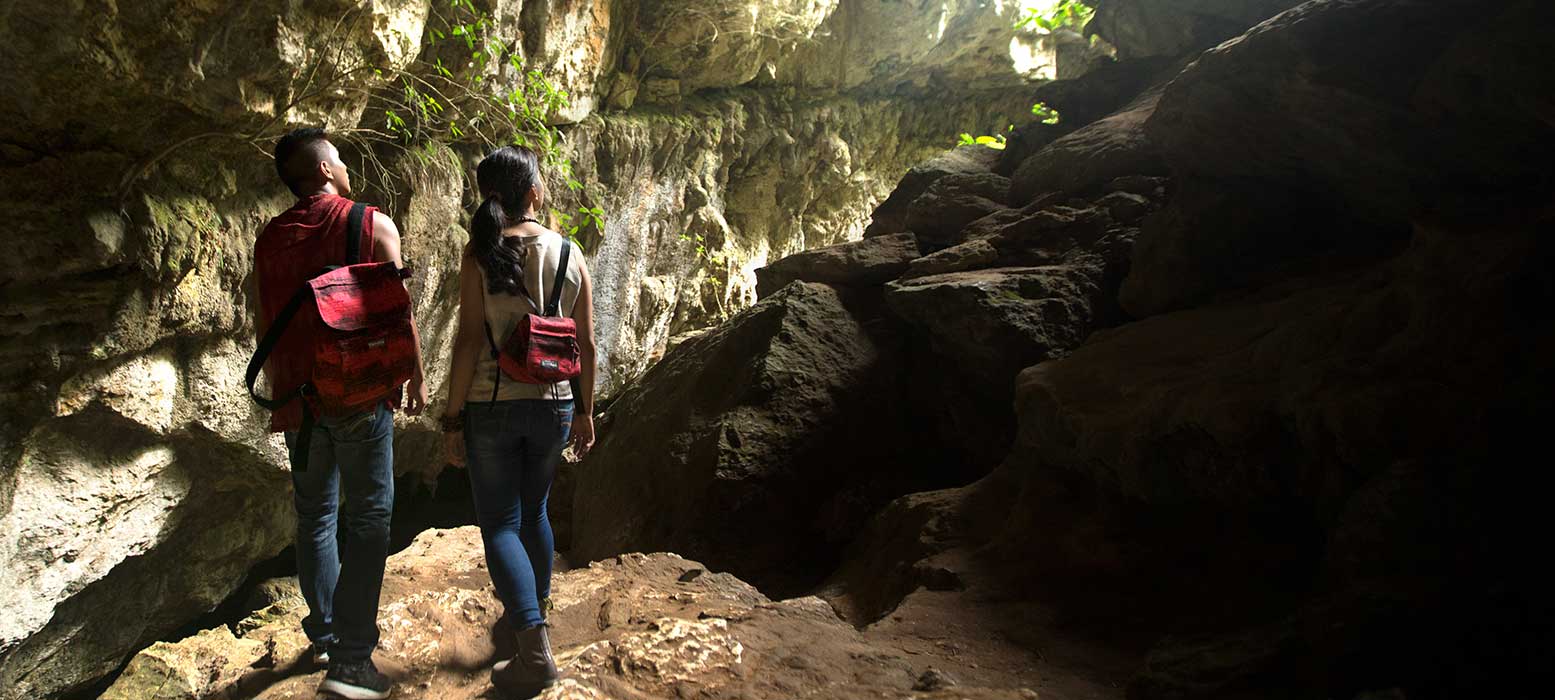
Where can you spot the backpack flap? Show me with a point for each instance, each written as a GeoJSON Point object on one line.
{"type": "Point", "coordinates": [355, 297]}
{"type": "Point", "coordinates": [365, 349]}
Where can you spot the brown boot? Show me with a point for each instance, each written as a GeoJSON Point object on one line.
{"type": "Point", "coordinates": [532, 669]}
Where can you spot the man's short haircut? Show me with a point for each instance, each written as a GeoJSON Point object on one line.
{"type": "Point", "coordinates": [288, 151]}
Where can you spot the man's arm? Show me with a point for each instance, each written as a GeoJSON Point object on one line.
{"type": "Point", "coordinates": [386, 248]}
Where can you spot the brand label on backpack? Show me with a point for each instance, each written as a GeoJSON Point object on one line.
{"type": "Point", "coordinates": [548, 364]}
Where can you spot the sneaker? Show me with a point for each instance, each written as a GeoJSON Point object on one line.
{"type": "Point", "coordinates": [320, 653]}
{"type": "Point", "coordinates": [356, 681]}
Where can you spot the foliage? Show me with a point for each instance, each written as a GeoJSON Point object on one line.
{"type": "Point", "coordinates": [1040, 110]}
{"type": "Point", "coordinates": [996, 141]}
{"type": "Point", "coordinates": [716, 258]}
{"type": "Point", "coordinates": [494, 98]}
{"type": "Point", "coordinates": [1047, 114]}
{"type": "Point", "coordinates": [1064, 14]}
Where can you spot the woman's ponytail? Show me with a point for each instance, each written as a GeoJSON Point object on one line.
{"type": "Point", "coordinates": [505, 176]}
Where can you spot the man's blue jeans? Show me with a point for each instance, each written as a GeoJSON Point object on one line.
{"type": "Point", "coordinates": [341, 572]}
{"type": "Point", "coordinates": [512, 449]}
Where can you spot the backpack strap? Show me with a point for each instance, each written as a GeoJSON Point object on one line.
{"type": "Point", "coordinates": [554, 305]}
{"type": "Point", "coordinates": [300, 446]}
{"type": "Point", "coordinates": [496, 356]}
{"type": "Point", "coordinates": [354, 233]}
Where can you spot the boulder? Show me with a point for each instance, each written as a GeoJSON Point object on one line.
{"type": "Point", "coordinates": [1089, 158]}
{"type": "Point", "coordinates": [863, 263]}
{"type": "Point", "coordinates": [891, 215]}
{"type": "Point", "coordinates": [989, 324]}
{"type": "Point", "coordinates": [966, 256]}
{"type": "Point", "coordinates": [937, 216]}
{"type": "Point", "coordinates": [197, 667]}
{"type": "Point", "coordinates": [741, 445]}
{"type": "Point", "coordinates": [637, 625]}
{"type": "Point", "coordinates": [1144, 28]}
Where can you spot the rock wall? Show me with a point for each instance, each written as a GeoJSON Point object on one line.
{"type": "Point", "coordinates": [132, 161]}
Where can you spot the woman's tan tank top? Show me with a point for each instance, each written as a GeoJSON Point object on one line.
{"type": "Point", "coordinates": [542, 253]}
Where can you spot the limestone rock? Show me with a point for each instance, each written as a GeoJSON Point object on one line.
{"type": "Point", "coordinates": [866, 262]}
{"type": "Point", "coordinates": [744, 425]}
{"type": "Point", "coordinates": [966, 256]}
{"type": "Point", "coordinates": [952, 202]}
{"type": "Point", "coordinates": [1399, 127]}
{"type": "Point", "coordinates": [1216, 235]}
{"type": "Point", "coordinates": [1126, 207]}
{"type": "Point", "coordinates": [716, 43]}
{"type": "Point", "coordinates": [991, 323]}
{"type": "Point", "coordinates": [111, 499]}
{"type": "Point", "coordinates": [200, 666]}
{"type": "Point", "coordinates": [741, 178]}
{"type": "Point", "coordinates": [1308, 400]}
{"type": "Point", "coordinates": [1142, 28]}
{"type": "Point", "coordinates": [1091, 157]}
{"type": "Point", "coordinates": [891, 215]}
{"type": "Point", "coordinates": [570, 42]}
{"type": "Point", "coordinates": [883, 46]}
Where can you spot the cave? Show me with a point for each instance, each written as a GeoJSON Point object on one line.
{"type": "Point", "coordinates": [985, 349]}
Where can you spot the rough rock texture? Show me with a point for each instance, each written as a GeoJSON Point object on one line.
{"type": "Point", "coordinates": [865, 262]}
{"type": "Point", "coordinates": [638, 626]}
{"type": "Point", "coordinates": [132, 143]}
{"type": "Point", "coordinates": [754, 423]}
{"type": "Point", "coordinates": [749, 423]}
{"type": "Point", "coordinates": [891, 215]}
{"type": "Point", "coordinates": [966, 256]}
{"type": "Point", "coordinates": [698, 199]}
{"type": "Point", "coordinates": [952, 202]}
{"type": "Point", "coordinates": [1092, 156]}
{"type": "Point", "coordinates": [1424, 116]}
{"type": "Point", "coordinates": [1141, 28]}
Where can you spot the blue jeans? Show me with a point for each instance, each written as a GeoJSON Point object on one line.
{"type": "Point", "coordinates": [512, 449]}
{"type": "Point", "coordinates": [341, 569]}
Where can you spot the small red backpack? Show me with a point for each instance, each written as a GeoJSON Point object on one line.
{"type": "Point", "coordinates": [543, 349]}
{"type": "Point", "coordinates": [364, 348]}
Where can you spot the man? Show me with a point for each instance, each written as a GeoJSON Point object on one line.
{"type": "Point", "coordinates": [341, 584]}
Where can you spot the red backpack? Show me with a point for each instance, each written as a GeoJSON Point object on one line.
{"type": "Point", "coordinates": [363, 350]}
{"type": "Point", "coordinates": [542, 349]}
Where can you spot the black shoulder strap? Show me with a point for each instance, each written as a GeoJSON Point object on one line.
{"type": "Point", "coordinates": [300, 445]}
{"type": "Point", "coordinates": [553, 307]}
{"type": "Point", "coordinates": [354, 233]}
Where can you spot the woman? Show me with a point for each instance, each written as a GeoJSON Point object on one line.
{"type": "Point", "coordinates": [510, 433]}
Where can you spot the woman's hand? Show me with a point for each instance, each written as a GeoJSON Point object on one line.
{"type": "Point", "coordinates": [453, 448]}
{"type": "Point", "coordinates": [582, 435]}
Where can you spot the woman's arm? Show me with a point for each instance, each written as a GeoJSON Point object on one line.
{"type": "Point", "coordinates": [583, 315]}
{"type": "Point", "coordinates": [469, 341]}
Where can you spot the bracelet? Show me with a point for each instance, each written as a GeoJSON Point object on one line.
{"type": "Point", "coordinates": [454, 423]}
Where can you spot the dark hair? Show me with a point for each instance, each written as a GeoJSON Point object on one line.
{"type": "Point", "coordinates": [286, 150]}
{"type": "Point", "coordinates": [504, 177]}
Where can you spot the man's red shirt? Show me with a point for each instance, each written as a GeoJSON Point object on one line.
{"type": "Point", "coordinates": [295, 247]}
